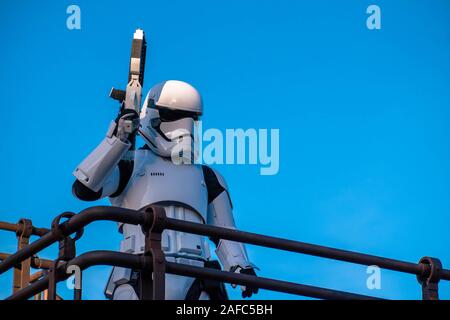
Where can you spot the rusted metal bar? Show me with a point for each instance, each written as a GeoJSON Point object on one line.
{"type": "Point", "coordinates": [21, 274]}
{"type": "Point", "coordinates": [263, 283]}
{"type": "Point", "coordinates": [301, 247]}
{"type": "Point", "coordinates": [430, 282]}
{"type": "Point", "coordinates": [66, 252]}
{"type": "Point", "coordinates": [52, 281]}
{"type": "Point", "coordinates": [77, 222]}
{"type": "Point", "coordinates": [14, 227]}
{"type": "Point", "coordinates": [36, 262]}
{"type": "Point", "coordinates": [36, 276]}
{"type": "Point", "coordinates": [132, 261]}
{"type": "Point", "coordinates": [3, 255]}
{"type": "Point", "coordinates": [8, 226]}
{"type": "Point", "coordinates": [155, 277]}
{"type": "Point", "coordinates": [39, 263]}
{"type": "Point", "coordinates": [24, 229]}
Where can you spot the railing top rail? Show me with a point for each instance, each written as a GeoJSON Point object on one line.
{"type": "Point", "coordinates": [137, 217]}
{"type": "Point", "coordinates": [301, 247]}
{"type": "Point", "coordinates": [76, 223]}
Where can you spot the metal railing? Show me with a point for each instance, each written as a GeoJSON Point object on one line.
{"type": "Point", "coordinates": [153, 265]}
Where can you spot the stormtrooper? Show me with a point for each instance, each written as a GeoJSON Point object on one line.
{"type": "Point", "coordinates": [163, 173]}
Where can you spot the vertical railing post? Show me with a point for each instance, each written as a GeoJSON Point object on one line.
{"type": "Point", "coordinates": [430, 280]}
{"type": "Point", "coordinates": [51, 293]}
{"type": "Point", "coordinates": [21, 275]}
{"type": "Point", "coordinates": [67, 251]}
{"type": "Point", "coordinates": [153, 282]}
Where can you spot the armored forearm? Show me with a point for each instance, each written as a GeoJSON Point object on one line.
{"type": "Point", "coordinates": [231, 253]}
{"type": "Point", "coordinates": [94, 171]}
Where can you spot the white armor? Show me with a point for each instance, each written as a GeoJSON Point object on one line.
{"type": "Point", "coordinates": [137, 178]}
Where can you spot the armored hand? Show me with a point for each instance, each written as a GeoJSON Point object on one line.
{"type": "Point", "coordinates": [127, 123]}
{"type": "Point", "coordinates": [247, 291]}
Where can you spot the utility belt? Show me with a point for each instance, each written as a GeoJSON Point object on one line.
{"type": "Point", "coordinates": [173, 243]}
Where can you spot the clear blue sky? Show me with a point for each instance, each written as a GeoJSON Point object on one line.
{"type": "Point", "coordinates": [363, 118]}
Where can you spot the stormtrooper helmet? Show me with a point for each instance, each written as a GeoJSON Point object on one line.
{"type": "Point", "coordinates": [168, 117]}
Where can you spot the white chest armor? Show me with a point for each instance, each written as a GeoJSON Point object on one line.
{"type": "Point", "coordinates": [180, 189]}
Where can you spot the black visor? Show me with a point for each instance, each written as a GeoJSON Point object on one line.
{"type": "Point", "coordinates": [168, 115]}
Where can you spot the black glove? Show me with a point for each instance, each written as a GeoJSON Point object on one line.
{"type": "Point", "coordinates": [126, 115]}
{"type": "Point", "coordinates": [247, 291]}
